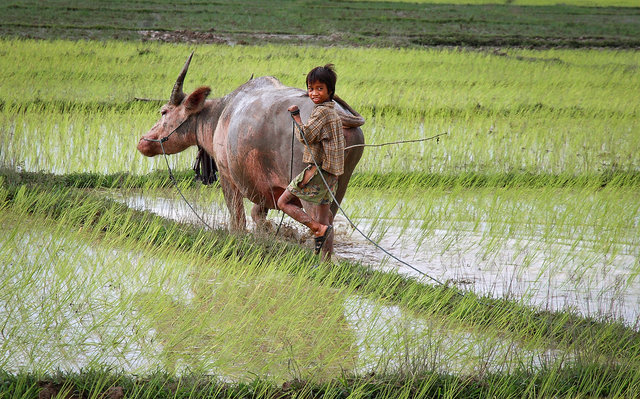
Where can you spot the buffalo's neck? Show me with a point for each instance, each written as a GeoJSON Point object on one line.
{"type": "Point", "coordinates": [206, 123]}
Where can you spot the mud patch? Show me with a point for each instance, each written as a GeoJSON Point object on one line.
{"type": "Point", "coordinates": [183, 36]}
{"type": "Point", "coordinates": [211, 37]}
{"type": "Point", "coordinates": [49, 390]}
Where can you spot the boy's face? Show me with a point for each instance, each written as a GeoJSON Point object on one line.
{"type": "Point", "coordinates": [318, 92]}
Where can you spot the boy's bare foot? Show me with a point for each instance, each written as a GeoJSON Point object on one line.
{"type": "Point", "coordinates": [320, 240]}
{"type": "Point", "coordinates": [321, 231]}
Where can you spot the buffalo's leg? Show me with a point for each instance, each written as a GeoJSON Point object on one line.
{"type": "Point", "coordinates": [233, 198]}
{"type": "Point", "coordinates": [259, 216]}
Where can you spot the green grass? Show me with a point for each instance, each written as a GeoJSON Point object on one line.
{"type": "Point", "coordinates": [579, 3]}
{"type": "Point", "coordinates": [603, 381]}
{"type": "Point", "coordinates": [398, 24]}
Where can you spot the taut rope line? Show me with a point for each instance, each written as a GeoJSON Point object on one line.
{"type": "Point", "coordinates": [397, 142]}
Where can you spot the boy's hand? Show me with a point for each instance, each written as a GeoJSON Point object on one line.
{"type": "Point", "coordinates": [295, 114]}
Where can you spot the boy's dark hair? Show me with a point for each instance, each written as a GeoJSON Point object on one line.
{"type": "Point", "coordinates": [327, 75]}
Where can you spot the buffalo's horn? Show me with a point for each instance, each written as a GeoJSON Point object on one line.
{"type": "Point", "coordinates": [177, 95]}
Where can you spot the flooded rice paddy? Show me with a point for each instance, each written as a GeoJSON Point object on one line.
{"type": "Point", "coordinates": [88, 284]}
{"type": "Point", "coordinates": [75, 304]}
{"type": "Point", "coordinates": [592, 269]}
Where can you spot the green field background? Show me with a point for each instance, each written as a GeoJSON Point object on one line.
{"type": "Point", "coordinates": [552, 112]}
{"type": "Point", "coordinates": [581, 3]}
{"type": "Point", "coordinates": [572, 24]}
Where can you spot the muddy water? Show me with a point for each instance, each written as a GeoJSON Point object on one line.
{"type": "Point", "coordinates": [552, 275]}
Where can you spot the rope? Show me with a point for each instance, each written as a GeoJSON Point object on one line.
{"type": "Point", "coordinates": [295, 124]}
{"type": "Point", "coordinates": [437, 137]}
{"type": "Point", "coordinates": [293, 132]}
{"type": "Point", "coordinates": [171, 176]}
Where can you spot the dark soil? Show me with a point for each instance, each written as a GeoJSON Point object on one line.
{"type": "Point", "coordinates": [50, 390]}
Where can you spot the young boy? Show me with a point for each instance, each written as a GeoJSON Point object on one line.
{"type": "Point", "coordinates": [325, 144]}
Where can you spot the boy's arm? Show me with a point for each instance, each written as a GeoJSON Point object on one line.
{"type": "Point", "coordinates": [312, 130]}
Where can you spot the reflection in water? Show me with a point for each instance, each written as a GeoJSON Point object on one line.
{"type": "Point", "coordinates": [81, 303]}
{"type": "Point", "coordinates": [393, 340]}
{"type": "Point", "coordinates": [75, 303]}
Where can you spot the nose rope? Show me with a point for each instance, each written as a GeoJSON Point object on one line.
{"type": "Point", "coordinates": [171, 176]}
{"type": "Point", "coordinates": [165, 138]}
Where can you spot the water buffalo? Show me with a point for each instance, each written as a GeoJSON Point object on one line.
{"type": "Point", "coordinates": [249, 135]}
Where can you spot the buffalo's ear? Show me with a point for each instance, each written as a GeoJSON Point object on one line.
{"type": "Point", "coordinates": [195, 101]}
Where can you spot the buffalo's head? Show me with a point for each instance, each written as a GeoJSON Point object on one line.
{"type": "Point", "coordinates": [177, 124]}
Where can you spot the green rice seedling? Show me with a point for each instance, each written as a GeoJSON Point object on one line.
{"type": "Point", "coordinates": [71, 306]}
{"type": "Point", "coordinates": [95, 297]}
{"type": "Point", "coordinates": [570, 383]}
{"type": "Point", "coordinates": [63, 142]}
{"type": "Point", "coordinates": [539, 243]}
{"type": "Point", "coordinates": [512, 111]}
{"type": "Point", "coordinates": [179, 283]}
{"type": "Point", "coordinates": [156, 232]}
{"type": "Point", "coordinates": [104, 285]}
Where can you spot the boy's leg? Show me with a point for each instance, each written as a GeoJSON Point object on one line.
{"type": "Point", "coordinates": [298, 214]}
{"type": "Point", "coordinates": [324, 214]}
{"type": "Point", "coordinates": [325, 217]}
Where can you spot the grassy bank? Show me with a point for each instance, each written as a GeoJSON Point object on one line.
{"type": "Point", "coordinates": [591, 381]}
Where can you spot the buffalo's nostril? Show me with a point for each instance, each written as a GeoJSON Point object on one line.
{"type": "Point", "coordinates": [144, 147]}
